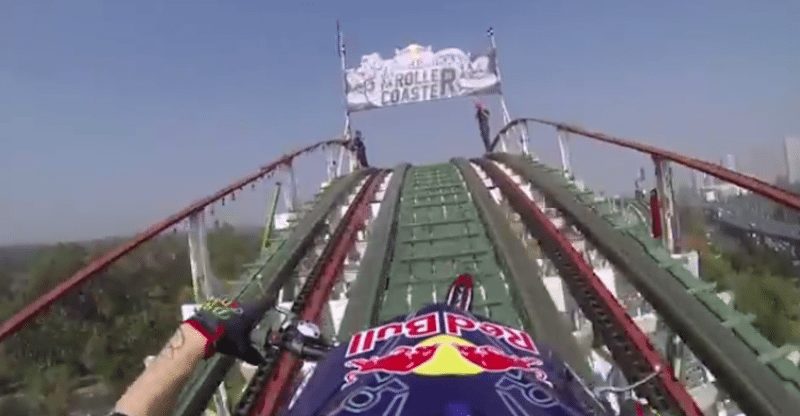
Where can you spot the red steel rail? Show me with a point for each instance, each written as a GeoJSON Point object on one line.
{"type": "Point", "coordinates": [274, 392]}
{"type": "Point", "coordinates": [34, 308]}
{"type": "Point", "coordinates": [598, 302]}
{"type": "Point", "coordinates": [745, 181]}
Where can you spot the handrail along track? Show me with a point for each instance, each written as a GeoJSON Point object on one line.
{"type": "Point", "coordinates": [366, 291]}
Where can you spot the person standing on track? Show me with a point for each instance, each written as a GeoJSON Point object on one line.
{"type": "Point", "coordinates": [482, 114]}
{"type": "Point", "coordinates": [360, 148]}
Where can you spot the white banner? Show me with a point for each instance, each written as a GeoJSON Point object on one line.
{"type": "Point", "coordinates": [417, 74]}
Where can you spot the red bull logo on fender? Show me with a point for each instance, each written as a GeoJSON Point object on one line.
{"type": "Point", "coordinates": [401, 360]}
{"type": "Point", "coordinates": [493, 360]}
{"type": "Point", "coordinates": [433, 323]}
{"type": "Point", "coordinates": [445, 355]}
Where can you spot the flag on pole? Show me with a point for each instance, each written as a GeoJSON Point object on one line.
{"type": "Point", "coordinates": [339, 39]}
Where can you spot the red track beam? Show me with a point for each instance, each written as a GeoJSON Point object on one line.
{"type": "Point", "coordinates": [753, 184]}
{"type": "Point", "coordinates": [655, 215]}
{"type": "Point", "coordinates": [274, 392]}
{"type": "Point", "coordinates": [30, 311]}
{"type": "Point", "coordinates": [677, 393]}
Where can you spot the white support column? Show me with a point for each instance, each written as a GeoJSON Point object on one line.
{"type": "Point", "coordinates": [204, 284]}
{"type": "Point", "coordinates": [195, 261]}
{"type": "Point", "coordinates": [675, 225]}
{"type": "Point", "coordinates": [523, 138]}
{"type": "Point", "coordinates": [666, 206]}
{"type": "Point", "coordinates": [506, 120]}
{"type": "Point", "coordinates": [342, 151]}
{"type": "Point", "coordinates": [563, 147]}
{"type": "Point", "coordinates": [353, 161]}
{"type": "Point", "coordinates": [503, 105]}
{"type": "Point", "coordinates": [290, 197]}
{"type": "Point", "coordinates": [330, 159]}
{"type": "Point", "coordinates": [675, 355]}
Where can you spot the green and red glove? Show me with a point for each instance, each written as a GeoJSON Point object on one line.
{"type": "Point", "coordinates": [226, 325]}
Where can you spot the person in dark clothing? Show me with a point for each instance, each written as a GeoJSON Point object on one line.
{"type": "Point", "coordinates": [482, 114]}
{"type": "Point", "coordinates": [360, 149]}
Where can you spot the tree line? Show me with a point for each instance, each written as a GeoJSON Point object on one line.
{"type": "Point", "coordinates": [95, 339]}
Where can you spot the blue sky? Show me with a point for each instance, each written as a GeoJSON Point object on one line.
{"type": "Point", "coordinates": [115, 114]}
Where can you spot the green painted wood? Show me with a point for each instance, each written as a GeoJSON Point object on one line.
{"type": "Point", "coordinates": [440, 235]}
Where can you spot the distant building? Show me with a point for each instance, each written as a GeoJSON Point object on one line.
{"type": "Point", "coordinates": [713, 189]}
{"type": "Point", "coordinates": [697, 181]}
{"type": "Point", "coordinates": [791, 148]}
{"type": "Point", "coordinates": [729, 162]}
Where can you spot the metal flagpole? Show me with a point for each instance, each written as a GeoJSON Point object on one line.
{"type": "Point", "coordinates": [343, 62]}
{"type": "Point", "coordinates": [503, 105]}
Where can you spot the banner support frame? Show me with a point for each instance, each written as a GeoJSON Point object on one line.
{"type": "Point", "coordinates": [523, 137]}
{"type": "Point", "coordinates": [343, 68]}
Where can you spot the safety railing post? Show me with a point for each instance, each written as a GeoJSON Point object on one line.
{"type": "Point", "coordinates": [523, 139]}
{"type": "Point", "coordinates": [675, 354]}
{"type": "Point", "coordinates": [291, 195]}
{"type": "Point", "coordinates": [342, 151]}
{"type": "Point", "coordinates": [563, 147]}
{"type": "Point", "coordinates": [330, 158]}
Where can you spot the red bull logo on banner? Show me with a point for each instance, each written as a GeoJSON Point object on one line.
{"type": "Point", "coordinates": [430, 324]}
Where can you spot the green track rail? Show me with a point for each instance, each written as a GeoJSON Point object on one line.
{"type": "Point", "coordinates": [440, 235]}
{"type": "Point", "coordinates": [748, 367]}
{"type": "Point", "coordinates": [540, 316]}
{"type": "Point", "coordinates": [365, 294]}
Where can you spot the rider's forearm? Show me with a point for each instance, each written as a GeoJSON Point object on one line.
{"type": "Point", "coordinates": [157, 388]}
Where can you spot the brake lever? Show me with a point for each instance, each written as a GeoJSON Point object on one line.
{"type": "Point", "coordinates": [305, 340]}
{"type": "Point", "coordinates": [300, 337]}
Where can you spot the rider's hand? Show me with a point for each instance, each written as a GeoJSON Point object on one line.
{"type": "Point", "coordinates": [226, 325]}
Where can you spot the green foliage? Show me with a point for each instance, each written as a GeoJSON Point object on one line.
{"type": "Point", "coordinates": [5, 287]}
{"type": "Point", "coordinates": [774, 299]}
{"type": "Point", "coordinates": [53, 384]}
{"type": "Point", "coordinates": [15, 405]}
{"type": "Point", "coordinates": [716, 268]}
{"type": "Point", "coordinates": [762, 260]}
{"type": "Point", "coordinates": [106, 328]}
{"type": "Point", "coordinates": [6, 373]}
{"type": "Point", "coordinates": [230, 250]}
{"type": "Point", "coordinates": [692, 221]}
{"type": "Point", "coordinates": [774, 302]}
{"type": "Point", "coordinates": [761, 280]}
